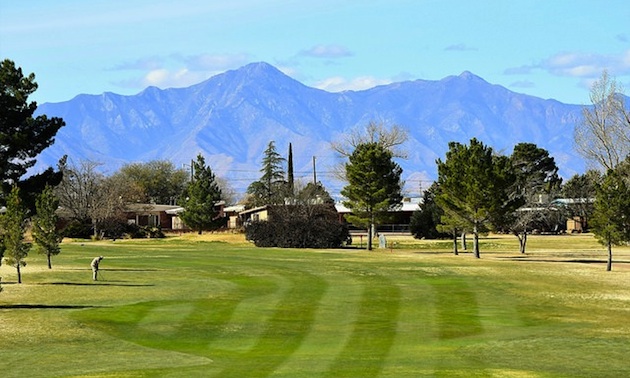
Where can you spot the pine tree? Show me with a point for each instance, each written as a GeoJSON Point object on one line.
{"type": "Point", "coordinates": [611, 216]}
{"type": "Point", "coordinates": [374, 185]}
{"type": "Point", "coordinates": [14, 225]}
{"type": "Point", "coordinates": [45, 233]}
{"type": "Point", "coordinates": [270, 189]}
{"type": "Point", "coordinates": [22, 137]}
{"type": "Point", "coordinates": [475, 186]}
{"type": "Point", "coordinates": [201, 197]}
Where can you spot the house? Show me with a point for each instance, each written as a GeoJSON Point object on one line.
{"type": "Point", "coordinates": [146, 214]}
{"type": "Point", "coordinates": [232, 213]}
{"type": "Point", "coordinates": [164, 216]}
{"type": "Point", "coordinates": [577, 223]}
{"type": "Point", "coordinates": [260, 213]}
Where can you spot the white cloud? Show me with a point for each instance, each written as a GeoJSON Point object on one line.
{"type": "Point", "coordinates": [178, 70]}
{"type": "Point", "coordinates": [339, 84]}
{"type": "Point", "coordinates": [164, 78]}
{"type": "Point", "coordinates": [327, 51]}
{"type": "Point", "coordinates": [587, 65]}
{"type": "Point", "coordinates": [213, 62]}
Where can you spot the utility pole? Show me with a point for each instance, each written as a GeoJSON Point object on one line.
{"type": "Point", "coordinates": [314, 172]}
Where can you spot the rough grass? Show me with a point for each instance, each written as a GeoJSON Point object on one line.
{"type": "Point", "coordinates": [215, 306]}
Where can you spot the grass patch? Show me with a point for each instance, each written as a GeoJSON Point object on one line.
{"type": "Point", "coordinates": [187, 306]}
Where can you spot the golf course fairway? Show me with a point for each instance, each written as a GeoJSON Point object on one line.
{"type": "Point", "coordinates": [194, 307]}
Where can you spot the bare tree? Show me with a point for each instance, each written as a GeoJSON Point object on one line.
{"type": "Point", "coordinates": [391, 138]}
{"type": "Point", "coordinates": [89, 196]}
{"type": "Point", "coordinates": [603, 135]}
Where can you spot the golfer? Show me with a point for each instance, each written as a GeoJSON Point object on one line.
{"type": "Point", "coordinates": [95, 262]}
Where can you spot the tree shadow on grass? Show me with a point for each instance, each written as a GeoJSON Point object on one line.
{"type": "Point", "coordinates": [41, 306]}
{"type": "Point", "coordinates": [561, 260]}
{"type": "Point", "coordinates": [97, 283]}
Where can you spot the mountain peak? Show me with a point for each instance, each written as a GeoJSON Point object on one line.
{"type": "Point", "coordinates": [260, 69]}
{"type": "Point", "coordinates": [467, 75]}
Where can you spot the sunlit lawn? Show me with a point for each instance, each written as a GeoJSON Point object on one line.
{"type": "Point", "coordinates": [189, 306]}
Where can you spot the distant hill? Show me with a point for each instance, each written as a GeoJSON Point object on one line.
{"type": "Point", "coordinates": [231, 118]}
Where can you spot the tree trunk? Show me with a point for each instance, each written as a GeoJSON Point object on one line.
{"type": "Point", "coordinates": [455, 252]}
{"type": "Point", "coordinates": [476, 241]}
{"type": "Point", "coordinates": [464, 247]}
{"type": "Point", "coordinates": [609, 264]}
{"type": "Point", "coordinates": [523, 241]}
{"type": "Point", "coordinates": [49, 262]}
{"type": "Point", "coordinates": [369, 241]}
{"type": "Point", "coordinates": [19, 274]}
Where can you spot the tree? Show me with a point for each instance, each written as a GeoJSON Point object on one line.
{"type": "Point", "coordinates": [14, 225]}
{"type": "Point", "coordinates": [424, 221]}
{"type": "Point", "coordinates": [270, 189]}
{"type": "Point", "coordinates": [45, 233]}
{"type": "Point", "coordinates": [603, 135]}
{"type": "Point", "coordinates": [536, 179]}
{"type": "Point", "coordinates": [474, 187]}
{"type": "Point", "coordinates": [391, 138]}
{"type": "Point", "coordinates": [94, 200]}
{"type": "Point", "coordinates": [158, 180]}
{"type": "Point", "coordinates": [290, 178]}
{"type": "Point", "coordinates": [374, 185]}
{"type": "Point", "coordinates": [611, 217]}
{"type": "Point", "coordinates": [580, 190]}
{"type": "Point", "coordinates": [22, 137]}
{"type": "Point", "coordinates": [201, 198]}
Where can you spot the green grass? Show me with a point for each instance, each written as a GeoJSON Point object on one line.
{"type": "Point", "coordinates": [185, 307]}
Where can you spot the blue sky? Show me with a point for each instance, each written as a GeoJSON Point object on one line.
{"type": "Point", "coordinates": [546, 48]}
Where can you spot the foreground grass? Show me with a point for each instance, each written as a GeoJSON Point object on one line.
{"type": "Point", "coordinates": [200, 307]}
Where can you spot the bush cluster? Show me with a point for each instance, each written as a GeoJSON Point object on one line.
{"type": "Point", "coordinates": [299, 226]}
{"type": "Point", "coordinates": [114, 229]}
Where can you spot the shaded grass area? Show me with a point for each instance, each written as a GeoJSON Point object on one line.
{"type": "Point", "coordinates": [184, 307]}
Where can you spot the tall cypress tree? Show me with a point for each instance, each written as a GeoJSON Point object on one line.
{"type": "Point", "coordinates": [290, 179]}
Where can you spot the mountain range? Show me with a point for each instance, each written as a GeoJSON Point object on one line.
{"type": "Point", "coordinates": [231, 117]}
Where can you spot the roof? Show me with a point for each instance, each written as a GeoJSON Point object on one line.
{"type": "Point", "coordinates": [149, 207]}
{"type": "Point", "coordinates": [407, 205]}
{"type": "Point", "coordinates": [254, 210]}
{"type": "Point", "coordinates": [234, 209]}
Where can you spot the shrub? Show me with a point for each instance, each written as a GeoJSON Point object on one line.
{"type": "Point", "coordinates": [299, 226]}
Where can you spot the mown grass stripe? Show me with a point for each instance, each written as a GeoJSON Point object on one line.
{"type": "Point", "coordinates": [374, 331]}
{"type": "Point", "coordinates": [285, 331]}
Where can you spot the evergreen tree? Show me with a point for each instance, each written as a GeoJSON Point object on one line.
{"type": "Point", "coordinates": [374, 185]}
{"type": "Point", "coordinates": [201, 198]}
{"type": "Point", "coordinates": [13, 226]}
{"type": "Point", "coordinates": [424, 221]}
{"type": "Point", "coordinates": [611, 216]}
{"type": "Point", "coordinates": [45, 233]}
{"type": "Point", "coordinates": [290, 178]}
{"type": "Point", "coordinates": [536, 179]}
{"type": "Point", "coordinates": [22, 137]}
{"type": "Point", "coordinates": [271, 188]}
{"type": "Point", "coordinates": [475, 187]}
